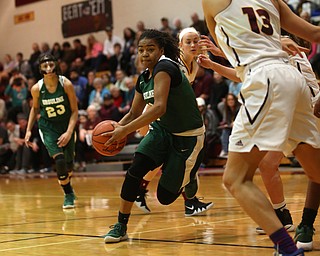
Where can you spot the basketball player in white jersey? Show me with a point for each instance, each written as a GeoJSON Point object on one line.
{"type": "Point", "coordinates": [273, 92]}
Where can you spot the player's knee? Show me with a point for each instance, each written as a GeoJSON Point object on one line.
{"type": "Point", "coordinates": [166, 197]}
{"type": "Point", "coordinates": [130, 187]}
{"type": "Point", "coordinates": [230, 183]}
{"type": "Point", "coordinates": [61, 168]}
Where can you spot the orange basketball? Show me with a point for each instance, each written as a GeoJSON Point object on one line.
{"type": "Point", "coordinates": [98, 141]}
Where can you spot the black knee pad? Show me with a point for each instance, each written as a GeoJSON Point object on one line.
{"type": "Point", "coordinates": [61, 167]}
{"type": "Point", "coordinates": [130, 187]}
{"type": "Point", "coordinates": [141, 165]}
{"type": "Point", "coordinates": [166, 197]}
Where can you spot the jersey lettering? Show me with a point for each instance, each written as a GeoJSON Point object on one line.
{"type": "Point", "coordinates": [52, 101]}
{"type": "Point", "coordinates": [148, 95]}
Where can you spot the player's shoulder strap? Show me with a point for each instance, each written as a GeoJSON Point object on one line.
{"type": "Point", "coordinates": [61, 81]}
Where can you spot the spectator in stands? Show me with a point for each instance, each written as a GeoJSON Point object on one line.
{"type": "Point", "coordinates": [211, 123]}
{"type": "Point", "coordinates": [56, 50]}
{"type": "Point", "coordinates": [23, 156]}
{"type": "Point", "coordinates": [85, 133]}
{"type": "Point", "coordinates": [94, 49]}
{"type": "Point", "coordinates": [3, 111]}
{"type": "Point", "coordinates": [80, 49]}
{"type": "Point", "coordinates": [96, 96]}
{"type": "Point", "coordinates": [235, 87]}
{"type": "Point", "coordinates": [165, 26]}
{"type": "Point", "coordinates": [8, 66]}
{"type": "Point", "coordinates": [78, 64]}
{"type": "Point", "coordinates": [127, 95]}
{"type": "Point", "coordinates": [199, 24]}
{"type": "Point", "coordinates": [79, 84]}
{"type": "Point", "coordinates": [203, 83]}
{"type": "Point", "coordinates": [13, 136]}
{"type": "Point", "coordinates": [108, 48]}
{"type": "Point", "coordinates": [129, 36]}
{"type": "Point", "coordinates": [68, 54]}
{"type": "Point", "coordinates": [64, 68]}
{"type": "Point", "coordinates": [16, 92]}
{"type": "Point", "coordinates": [177, 27]}
{"type": "Point", "coordinates": [117, 60]}
{"type": "Point", "coordinates": [45, 48]}
{"type": "Point", "coordinates": [116, 95]}
{"type": "Point", "coordinates": [33, 61]}
{"type": "Point", "coordinates": [119, 80]}
{"type": "Point", "coordinates": [108, 110]}
{"type": "Point", "coordinates": [140, 28]}
{"type": "Point", "coordinates": [219, 91]}
{"type": "Point", "coordinates": [106, 78]}
{"type": "Point", "coordinates": [228, 109]}
{"type": "Point", "coordinates": [5, 151]}
{"type": "Point", "coordinates": [81, 145]}
{"type": "Point", "coordinates": [23, 66]}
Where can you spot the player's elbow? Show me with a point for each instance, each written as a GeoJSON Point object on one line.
{"type": "Point", "coordinates": [159, 110]}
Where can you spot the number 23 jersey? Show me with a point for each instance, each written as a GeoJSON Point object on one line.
{"type": "Point", "coordinates": [54, 107]}
{"type": "Point", "coordinates": [248, 31]}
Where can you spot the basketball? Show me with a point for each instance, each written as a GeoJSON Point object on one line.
{"type": "Point", "coordinates": [99, 141]}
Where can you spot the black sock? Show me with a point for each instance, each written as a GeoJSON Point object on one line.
{"type": "Point", "coordinates": [123, 218]}
{"type": "Point", "coordinates": [308, 217]}
{"type": "Point", "coordinates": [67, 188]}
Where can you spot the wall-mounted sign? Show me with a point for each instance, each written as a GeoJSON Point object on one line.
{"type": "Point", "coordinates": [86, 17]}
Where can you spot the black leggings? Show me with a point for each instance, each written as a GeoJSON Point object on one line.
{"type": "Point", "coordinates": [141, 165]}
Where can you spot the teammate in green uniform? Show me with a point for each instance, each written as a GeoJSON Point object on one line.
{"type": "Point", "coordinates": [176, 136]}
{"type": "Point", "coordinates": [54, 98]}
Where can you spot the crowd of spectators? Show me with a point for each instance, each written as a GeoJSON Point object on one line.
{"type": "Point", "coordinates": [104, 76]}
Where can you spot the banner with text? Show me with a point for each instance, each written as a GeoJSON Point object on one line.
{"type": "Point", "coordinates": [86, 17]}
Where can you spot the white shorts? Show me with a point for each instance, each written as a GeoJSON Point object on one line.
{"type": "Point", "coordinates": [276, 112]}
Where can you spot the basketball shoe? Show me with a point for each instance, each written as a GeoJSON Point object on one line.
{"type": "Point", "coordinates": [298, 252]}
{"type": "Point", "coordinates": [140, 201]}
{"type": "Point", "coordinates": [303, 237]}
{"type": "Point", "coordinates": [285, 217]}
{"type": "Point", "coordinates": [69, 201]}
{"type": "Point", "coordinates": [117, 233]}
{"type": "Point", "coordinates": [195, 207]}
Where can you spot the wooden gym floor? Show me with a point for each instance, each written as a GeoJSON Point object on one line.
{"type": "Point", "coordinates": [32, 222]}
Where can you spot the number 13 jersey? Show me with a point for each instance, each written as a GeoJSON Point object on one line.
{"type": "Point", "coordinates": [242, 18]}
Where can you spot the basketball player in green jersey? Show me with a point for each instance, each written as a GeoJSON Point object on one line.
{"type": "Point", "coordinates": [176, 136]}
{"type": "Point", "coordinates": [54, 98]}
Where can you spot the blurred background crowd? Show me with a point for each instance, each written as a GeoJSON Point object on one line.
{"type": "Point", "coordinates": [104, 74]}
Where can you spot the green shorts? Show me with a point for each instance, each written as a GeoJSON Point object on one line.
{"type": "Point", "coordinates": [180, 156]}
{"type": "Point", "coordinates": [49, 137]}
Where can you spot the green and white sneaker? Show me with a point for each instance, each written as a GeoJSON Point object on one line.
{"type": "Point", "coordinates": [69, 201]}
{"type": "Point", "coordinates": [303, 237]}
{"type": "Point", "coordinates": [117, 233]}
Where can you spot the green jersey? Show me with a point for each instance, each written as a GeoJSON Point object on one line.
{"type": "Point", "coordinates": [182, 113]}
{"type": "Point", "coordinates": [54, 107]}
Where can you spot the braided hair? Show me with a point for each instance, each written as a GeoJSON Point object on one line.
{"type": "Point", "coordinates": [163, 40]}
